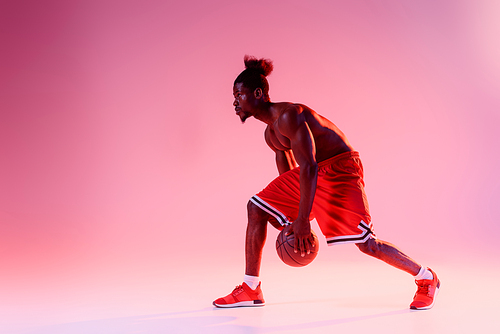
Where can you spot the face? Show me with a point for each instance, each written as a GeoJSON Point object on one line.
{"type": "Point", "coordinates": [243, 99]}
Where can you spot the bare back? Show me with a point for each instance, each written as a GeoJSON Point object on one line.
{"type": "Point", "coordinates": [328, 139]}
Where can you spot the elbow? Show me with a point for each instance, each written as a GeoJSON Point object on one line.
{"type": "Point", "coordinates": [314, 169]}
{"type": "Point", "coordinates": [311, 169]}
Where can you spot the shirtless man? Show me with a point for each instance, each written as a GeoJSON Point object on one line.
{"type": "Point", "coordinates": [327, 185]}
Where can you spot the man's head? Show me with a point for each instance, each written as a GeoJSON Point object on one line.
{"type": "Point", "coordinates": [251, 85]}
{"type": "Point", "coordinates": [255, 73]}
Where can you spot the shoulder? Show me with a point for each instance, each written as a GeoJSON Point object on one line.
{"type": "Point", "coordinates": [291, 117]}
{"type": "Point", "coordinates": [290, 110]}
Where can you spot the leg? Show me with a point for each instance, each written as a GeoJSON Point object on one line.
{"type": "Point", "coordinates": [255, 238]}
{"type": "Point", "coordinates": [427, 288]}
{"type": "Point", "coordinates": [388, 253]}
{"type": "Point", "coordinates": [244, 295]}
{"type": "Point", "coordinates": [247, 294]}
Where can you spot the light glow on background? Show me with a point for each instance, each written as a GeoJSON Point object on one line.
{"type": "Point", "coordinates": [120, 149]}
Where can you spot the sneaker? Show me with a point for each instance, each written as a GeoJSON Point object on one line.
{"type": "Point", "coordinates": [426, 293]}
{"type": "Point", "coordinates": [242, 295]}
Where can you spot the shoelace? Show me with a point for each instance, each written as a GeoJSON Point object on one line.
{"type": "Point", "coordinates": [238, 289]}
{"type": "Point", "coordinates": [423, 288]}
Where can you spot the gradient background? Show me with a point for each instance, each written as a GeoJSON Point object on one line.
{"type": "Point", "coordinates": [121, 155]}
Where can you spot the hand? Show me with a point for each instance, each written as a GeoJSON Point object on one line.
{"type": "Point", "coordinates": [303, 236]}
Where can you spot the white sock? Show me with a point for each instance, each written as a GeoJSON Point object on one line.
{"type": "Point", "coordinates": [251, 281]}
{"type": "Point", "coordinates": [424, 273]}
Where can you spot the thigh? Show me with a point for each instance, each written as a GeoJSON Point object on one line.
{"type": "Point", "coordinates": [280, 199]}
{"type": "Point", "coordinates": [341, 208]}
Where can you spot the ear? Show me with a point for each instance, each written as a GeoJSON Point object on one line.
{"type": "Point", "coordinates": [258, 93]}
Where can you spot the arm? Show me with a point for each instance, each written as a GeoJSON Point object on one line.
{"type": "Point", "coordinates": [285, 160]}
{"type": "Point", "coordinates": [292, 124]}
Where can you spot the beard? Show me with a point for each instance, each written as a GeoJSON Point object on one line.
{"type": "Point", "coordinates": [243, 117]}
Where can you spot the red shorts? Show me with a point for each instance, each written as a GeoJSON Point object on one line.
{"type": "Point", "coordinates": [340, 205]}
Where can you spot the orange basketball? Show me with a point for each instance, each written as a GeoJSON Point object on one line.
{"type": "Point", "coordinates": [284, 247]}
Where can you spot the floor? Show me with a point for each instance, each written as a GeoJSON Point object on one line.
{"type": "Point", "coordinates": [342, 291]}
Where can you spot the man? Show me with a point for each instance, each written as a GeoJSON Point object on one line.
{"type": "Point", "coordinates": [327, 185]}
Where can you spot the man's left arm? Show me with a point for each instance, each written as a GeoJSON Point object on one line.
{"type": "Point", "coordinates": [285, 161]}
{"type": "Point", "coordinates": [293, 125]}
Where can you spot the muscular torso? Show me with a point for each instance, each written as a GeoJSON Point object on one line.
{"type": "Point", "coordinates": [328, 139]}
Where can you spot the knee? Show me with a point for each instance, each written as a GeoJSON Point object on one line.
{"type": "Point", "coordinates": [369, 247]}
{"type": "Point", "coordinates": [251, 207]}
{"type": "Point", "coordinates": [255, 213]}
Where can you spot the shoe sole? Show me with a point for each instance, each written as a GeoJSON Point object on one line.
{"type": "Point", "coordinates": [250, 303]}
{"type": "Point", "coordinates": [433, 301]}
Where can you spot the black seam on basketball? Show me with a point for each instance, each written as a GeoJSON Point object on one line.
{"type": "Point", "coordinates": [280, 252]}
{"type": "Point", "coordinates": [285, 248]}
{"type": "Point", "coordinates": [279, 246]}
{"type": "Point", "coordinates": [291, 257]}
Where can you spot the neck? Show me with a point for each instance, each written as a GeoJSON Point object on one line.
{"type": "Point", "coordinates": [265, 113]}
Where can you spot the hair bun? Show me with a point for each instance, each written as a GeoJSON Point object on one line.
{"type": "Point", "coordinates": [262, 66]}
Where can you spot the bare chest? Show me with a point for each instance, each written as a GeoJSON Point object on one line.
{"type": "Point", "coordinates": [279, 141]}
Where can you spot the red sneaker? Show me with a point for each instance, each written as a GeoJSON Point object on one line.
{"type": "Point", "coordinates": [242, 295]}
{"type": "Point", "coordinates": [426, 293]}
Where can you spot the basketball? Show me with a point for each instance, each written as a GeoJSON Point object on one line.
{"type": "Point", "coordinates": [284, 247]}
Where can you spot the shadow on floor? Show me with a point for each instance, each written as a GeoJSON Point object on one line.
{"type": "Point", "coordinates": [187, 322]}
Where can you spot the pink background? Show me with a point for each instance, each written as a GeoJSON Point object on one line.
{"type": "Point", "coordinates": [120, 150]}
